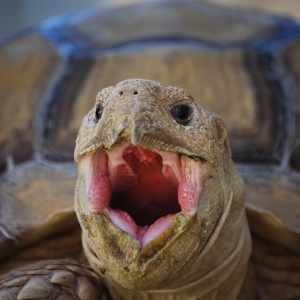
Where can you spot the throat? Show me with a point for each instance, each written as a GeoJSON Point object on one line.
{"type": "Point", "coordinates": [153, 196]}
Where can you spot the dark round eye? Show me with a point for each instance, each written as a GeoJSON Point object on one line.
{"type": "Point", "coordinates": [99, 111]}
{"type": "Point", "coordinates": [182, 113]}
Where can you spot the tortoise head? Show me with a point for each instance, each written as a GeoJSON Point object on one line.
{"type": "Point", "coordinates": [157, 194]}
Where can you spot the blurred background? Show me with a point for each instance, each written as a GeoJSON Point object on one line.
{"type": "Point", "coordinates": [18, 14]}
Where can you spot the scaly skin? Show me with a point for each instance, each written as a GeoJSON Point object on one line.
{"type": "Point", "coordinates": [52, 280]}
{"type": "Point", "coordinates": [202, 255]}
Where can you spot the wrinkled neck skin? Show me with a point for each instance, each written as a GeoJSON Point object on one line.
{"type": "Point", "coordinates": [218, 272]}
{"type": "Point", "coordinates": [200, 249]}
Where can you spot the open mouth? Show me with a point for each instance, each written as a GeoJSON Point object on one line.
{"type": "Point", "coordinates": [142, 190]}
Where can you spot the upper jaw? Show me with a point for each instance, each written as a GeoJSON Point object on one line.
{"type": "Point", "coordinates": [140, 191]}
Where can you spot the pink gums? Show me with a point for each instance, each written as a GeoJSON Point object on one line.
{"type": "Point", "coordinates": [147, 181]}
{"type": "Point", "coordinates": [191, 185]}
{"type": "Point", "coordinates": [99, 191]}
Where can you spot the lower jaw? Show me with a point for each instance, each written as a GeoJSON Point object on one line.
{"type": "Point", "coordinates": [114, 254]}
{"type": "Point", "coordinates": [101, 227]}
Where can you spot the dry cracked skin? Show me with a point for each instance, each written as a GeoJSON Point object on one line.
{"type": "Point", "coordinates": [158, 198]}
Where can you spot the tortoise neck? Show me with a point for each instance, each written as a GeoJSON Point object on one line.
{"type": "Point", "coordinates": [226, 279]}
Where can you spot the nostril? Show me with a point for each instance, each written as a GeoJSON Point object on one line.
{"type": "Point", "coordinates": [121, 93]}
{"type": "Point", "coordinates": [135, 92]}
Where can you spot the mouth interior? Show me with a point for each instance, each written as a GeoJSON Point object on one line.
{"type": "Point", "coordinates": [153, 196]}
{"type": "Point", "coordinates": [141, 190]}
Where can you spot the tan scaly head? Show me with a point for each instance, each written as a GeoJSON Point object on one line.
{"type": "Point", "coordinates": [158, 198]}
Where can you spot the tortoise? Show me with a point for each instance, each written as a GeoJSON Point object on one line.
{"type": "Point", "coordinates": [241, 65]}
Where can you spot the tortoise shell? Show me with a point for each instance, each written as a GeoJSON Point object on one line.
{"type": "Point", "coordinates": [241, 65]}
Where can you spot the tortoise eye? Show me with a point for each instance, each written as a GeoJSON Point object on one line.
{"type": "Point", "coordinates": [182, 114]}
{"type": "Point", "coordinates": [98, 112]}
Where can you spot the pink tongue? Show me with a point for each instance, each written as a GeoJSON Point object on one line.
{"type": "Point", "coordinates": [143, 234]}
{"type": "Point", "coordinates": [156, 229]}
